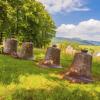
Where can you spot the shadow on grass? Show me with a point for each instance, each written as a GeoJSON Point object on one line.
{"type": "Point", "coordinates": [11, 69]}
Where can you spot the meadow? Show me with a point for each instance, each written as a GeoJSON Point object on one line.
{"type": "Point", "coordinates": [25, 80]}
{"type": "Point", "coordinates": [91, 47]}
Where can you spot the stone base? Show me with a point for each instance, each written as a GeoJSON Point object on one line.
{"type": "Point", "coordinates": [21, 57]}
{"type": "Point", "coordinates": [32, 58]}
{"type": "Point", "coordinates": [78, 79]}
{"type": "Point", "coordinates": [49, 66]}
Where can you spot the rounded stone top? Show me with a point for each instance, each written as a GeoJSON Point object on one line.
{"type": "Point", "coordinates": [13, 39]}
{"type": "Point", "coordinates": [54, 45]}
{"type": "Point", "coordinates": [84, 51]}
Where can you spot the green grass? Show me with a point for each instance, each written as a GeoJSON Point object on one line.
{"type": "Point", "coordinates": [24, 80]}
{"type": "Point", "coordinates": [89, 47]}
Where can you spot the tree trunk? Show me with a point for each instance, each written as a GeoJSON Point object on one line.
{"type": "Point", "coordinates": [26, 51]}
{"type": "Point", "coordinates": [80, 70]}
{"type": "Point", "coordinates": [10, 46]}
{"type": "Point", "coordinates": [1, 36]}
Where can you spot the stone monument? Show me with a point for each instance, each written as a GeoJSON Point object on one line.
{"type": "Point", "coordinates": [26, 51]}
{"type": "Point", "coordinates": [10, 46]}
{"type": "Point", "coordinates": [80, 70]}
{"type": "Point", "coordinates": [52, 58]}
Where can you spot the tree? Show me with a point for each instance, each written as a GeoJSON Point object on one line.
{"type": "Point", "coordinates": [6, 19]}
{"type": "Point", "coordinates": [31, 22]}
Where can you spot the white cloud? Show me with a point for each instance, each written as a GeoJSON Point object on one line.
{"type": "Point", "coordinates": [55, 6]}
{"type": "Point", "coordinates": [89, 29]}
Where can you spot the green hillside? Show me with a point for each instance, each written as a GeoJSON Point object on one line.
{"type": "Point", "coordinates": [24, 80]}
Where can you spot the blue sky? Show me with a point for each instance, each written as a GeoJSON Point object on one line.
{"type": "Point", "coordinates": [75, 18]}
{"type": "Point", "coordinates": [78, 16]}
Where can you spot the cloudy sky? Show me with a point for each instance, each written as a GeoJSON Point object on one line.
{"type": "Point", "coordinates": [75, 18]}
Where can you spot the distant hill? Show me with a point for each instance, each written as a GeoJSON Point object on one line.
{"type": "Point", "coordinates": [77, 40]}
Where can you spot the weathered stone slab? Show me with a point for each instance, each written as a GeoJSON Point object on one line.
{"type": "Point", "coordinates": [52, 58]}
{"type": "Point", "coordinates": [80, 70]}
{"type": "Point", "coordinates": [26, 51]}
{"type": "Point", "coordinates": [10, 46]}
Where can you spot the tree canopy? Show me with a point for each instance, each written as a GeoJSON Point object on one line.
{"type": "Point", "coordinates": [26, 20]}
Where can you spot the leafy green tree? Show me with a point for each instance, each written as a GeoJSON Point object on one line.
{"type": "Point", "coordinates": [28, 21]}
{"type": "Point", "coordinates": [6, 19]}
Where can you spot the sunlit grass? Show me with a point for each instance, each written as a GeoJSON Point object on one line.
{"type": "Point", "coordinates": [24, 80]}
{"type": "Point", "coordinates": [89, 47]}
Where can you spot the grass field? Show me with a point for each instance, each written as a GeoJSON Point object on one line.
{"type": "Point", "coordinates": [24, 80]}
{"type": "Point", "coordinates": [89, 47]}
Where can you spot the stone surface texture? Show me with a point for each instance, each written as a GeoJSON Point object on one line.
{"type": "Point", "coordinates": [80, 70]}
{"type": "Point", "coordinates": [52, 57]}
{"type": "Point", "coordinates": [10, 46]}
{"type": "Point", "coordinates": [26, 51]}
